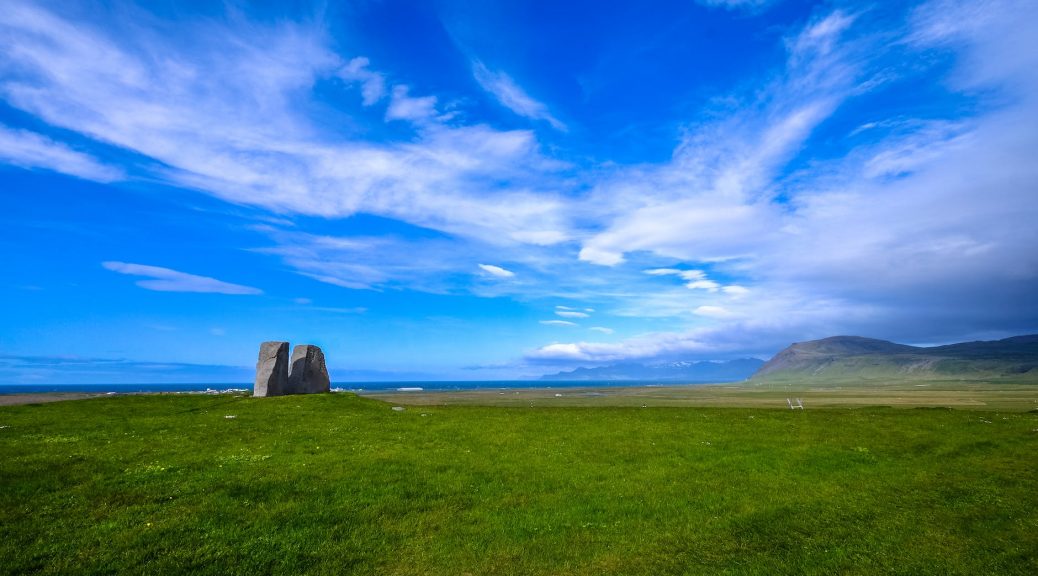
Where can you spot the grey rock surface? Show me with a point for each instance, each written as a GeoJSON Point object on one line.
{"type": "Point", "coordinates": [308, 374]}
{"type": "Point", "coordinates": [271, 370]}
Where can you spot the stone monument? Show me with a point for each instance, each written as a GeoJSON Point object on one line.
{"type": "Point", "coordinates": [308, 374]}
{"type": "Point", "coordinates": [272, 370]}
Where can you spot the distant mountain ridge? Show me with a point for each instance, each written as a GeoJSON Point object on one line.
{"type": "Point", "coordinates": [691, 372]}
{"type": "Point", "coordinates": [865, 358]}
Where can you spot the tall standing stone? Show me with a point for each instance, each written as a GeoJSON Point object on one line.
{"type": "Point", "coordinates": [309, 374]}
{"type": "Point", "coordinates": [272, 370]}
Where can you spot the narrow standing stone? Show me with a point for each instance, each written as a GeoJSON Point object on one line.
{"type": "Point", "coordinates": [271, 370]}
{"type": "Point", "coordinates": [309, 374]}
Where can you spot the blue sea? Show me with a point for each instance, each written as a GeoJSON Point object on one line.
{"type": "Point", "coordinates": [402, 387]}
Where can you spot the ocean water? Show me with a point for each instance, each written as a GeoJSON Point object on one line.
{"type": "Point", "coordinates": [402, 387]}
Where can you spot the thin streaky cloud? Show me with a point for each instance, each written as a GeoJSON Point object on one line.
{"type": "Point", "coordinates": [497, 271]}
{"type": "Point", "coordinates": [243, 89]}
{"type": "Point", "coordinates": [169, 280]}
{"type": "Point", "coordinates": [34, 151]}
{"type": "Point", "coordinates": [712, 311]}
{"type": "Point", "coordinates": [511, 96]}
{"type": "Point", "coordinates": [750, 5]}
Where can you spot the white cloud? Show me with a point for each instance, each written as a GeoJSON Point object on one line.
{"type": "Point", "coordinates": [571, 312]}
{"type": "Point", "coordinates": [596, 351]}
{"type": "Point", "coordinates": [926, 142]}
{"type": "Point", "coordinates": [662, 271]}
{"type": "Point", "coordinates": [497, 271]}
{"type": "Point", "coordinates": [712, 311]}
{"type": "Point", "coordinates": [713, 201]}
{"type": "Point", "coordinates": [373, 84]}
{"type": "Point", "coordinates": [708, 285]}
{"type": "Point", "coordinates": [690, 275]}
{"type": "Point", "coordinates": [560, 352]}
{"type": "Point", "coordinates": [924, 219]}
{"type": "Point", "coordinates": [603, 257]}
{"type": "Point", "coordinates": [696, 279]}
{"type": "Point", "coordinates": [404, 107]}
{"type": "Point", "coordinates": [511, 96]}
{"type": "Point", "coordinates": [735, 290]}
{"type": "Point", "coordinates": [736, 4]}
{"type": "Point", "coordinates": [30, 150]}
{"type": "Point", "coordinates": [820, 37]}
{"type": "Point", "coordinates": [602, 329]}
{"type": "Point", "coordinates": [337, 310]}
{"type": "Point", "coordinates": [769, 327]}
{"type": "Point", "coordinates": [557, 323]}
{"type": "Point", "coordinates": [368, 262]}
{"type": "Point", "coordinates": [168, 280]}
{"type": "Point", "coordinates": [719, 224]}
{"type": "Point", "coordinates": [440, 265]}
{"type": "Point", "coordinates": [220, 107]}
{"type": "Point", "coordinates": [601, 352]}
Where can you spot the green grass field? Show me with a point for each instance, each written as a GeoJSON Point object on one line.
{"type": "Point", "coordinates": [336, 484]}
{"type": "Point", "coordinates": [966, 395]}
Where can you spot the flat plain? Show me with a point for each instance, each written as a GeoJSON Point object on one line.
{"type": "Point", "coordinates": [1012, 395]}
{"type": "Point", "coordinates": [341, 484]}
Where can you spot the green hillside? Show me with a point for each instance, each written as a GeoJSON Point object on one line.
{"type": "Point", "coordinates": [853, 358]}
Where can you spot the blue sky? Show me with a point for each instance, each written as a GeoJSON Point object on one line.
{"type": "Point", "coordinates": [494, 190]}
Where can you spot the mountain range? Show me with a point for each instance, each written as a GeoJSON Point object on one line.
{"type": "Point", "coordinates": [841, 358]}
{"type": "Point", "coordinates": [854, 357]}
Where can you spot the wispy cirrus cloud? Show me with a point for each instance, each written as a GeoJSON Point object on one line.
{"type": "Point", "coordinates": [169, 280]}
{"type": "Point", "coordinates": [511, 96]}
{"type": "Point", "coordinates": [162, 92]}
{"type": "Point", "coordinates": [844, 246]}
{"type": "Point", "coordinates": [393, 262]}
{"type": "Point", "coordinates": [695, 279]}
{"type": "Point", "coordinates": [34, 151]}
{"type": "Point", "coordinates": [737, 4]}
{"type": "Point", "coordinates": [571, 312]}
{"type": "Point", "coordinates": [714, 201]}
{"type": "Point", "coordinates": [558, 323]}
{"type": "Point", "coordinates": [497, 271]}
